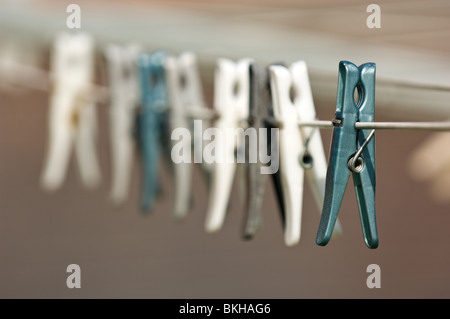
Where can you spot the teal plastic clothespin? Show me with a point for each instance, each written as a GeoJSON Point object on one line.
{"type": "Point", "coordinates": [346, 142]}
{"type": "Point", "coordinates": [151, 121]}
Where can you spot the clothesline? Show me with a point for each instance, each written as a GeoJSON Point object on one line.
{"type": "Point", "coordinates": [38, 79]}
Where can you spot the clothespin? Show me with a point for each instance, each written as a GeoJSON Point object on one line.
{"type": "Point", "coordinates": [125, 98]}
{"type": "Point", "coordinates": [231, 98]}
{"type": "Point", "coordinates": [352, 150]}
{"type": "Point", "coordinates": [260, 109]}
{"type": "Point", "coordinates": [72, 116]}
{"type": "Point", "coordinates": [301, 149]}
{"type": "Point", "coordinates": [185, 93]}
{"type": "Point", "coordinates": [152, 120]}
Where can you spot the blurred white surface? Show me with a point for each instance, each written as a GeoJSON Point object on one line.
{"type": "Point", "coordinates": [410, 49]}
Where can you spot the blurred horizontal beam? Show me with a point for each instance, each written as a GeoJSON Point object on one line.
{"type": "Point", "coordinates": [411, 84]}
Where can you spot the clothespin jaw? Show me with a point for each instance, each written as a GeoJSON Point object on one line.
{"type": "Point", "coordinates": [185, 93]}
{"type": "Point", "coordinates": [231, 96]}
{"type": "Point", "coordinates": [151, 121]}
{"type": "Point", "coordinates": [124, 91]}
{"type": "Point", "coordinates": [72, 114]}
{"type": "Point", "coordinates": [260, 109]}
{"type": "Point", "coordinates": [346, 141]}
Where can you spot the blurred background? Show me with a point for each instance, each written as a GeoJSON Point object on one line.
{"type": "Point", "coordinates": [123, 254]}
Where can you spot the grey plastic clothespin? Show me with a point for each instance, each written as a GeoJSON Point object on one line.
{"type": "Point", "coordinates": [260, 109]}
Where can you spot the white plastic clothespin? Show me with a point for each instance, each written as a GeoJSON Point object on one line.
{"type": "Point", "coordinates": [125, 97]}
{"type": "Point", "coordinates": [185, 93]}
{"type": "Point", "coordinates": [231, 103]}
{"type": "Point", "coordinates": [301, 149]}
{"type": "Point", "coordinates": [72, 113]}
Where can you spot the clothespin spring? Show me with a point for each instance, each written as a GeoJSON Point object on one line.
{"type": "Point", "coordinates": [306, 160]}
{"type": "Point", "coordinates": [356, 163]}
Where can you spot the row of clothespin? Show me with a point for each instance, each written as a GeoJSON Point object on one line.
{"type": "Point", "coordinates": [151, 94]}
